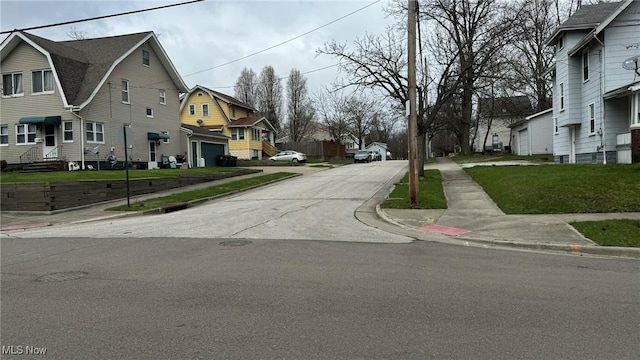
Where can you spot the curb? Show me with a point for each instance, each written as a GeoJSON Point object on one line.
{"type": "Point", "coordinates": [633, 253]}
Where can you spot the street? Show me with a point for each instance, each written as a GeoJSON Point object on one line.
{"type": "Point", "coordinates": [231, 279]}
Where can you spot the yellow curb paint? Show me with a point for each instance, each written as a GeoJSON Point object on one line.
{"type": "Point", "coordinates": [575, 247]}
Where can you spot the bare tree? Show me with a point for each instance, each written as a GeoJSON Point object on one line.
{"type": "Point", "coordinates": [362, 112]}
{"type": "Point", "coordinates": [300, 111]}
{"type": "Point", "coordinates": [75, 34]}
{"type": "Point", "coordinates": [246, 87]}
{"type": "Point", "coordinates": [331, 111]}
{"type": "Point", "coordinates": [269, 97]}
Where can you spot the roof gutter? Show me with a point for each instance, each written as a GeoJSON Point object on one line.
{"type": "Point", "coordinates": [72, 109]}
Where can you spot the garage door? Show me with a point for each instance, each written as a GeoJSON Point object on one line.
{"type": "Point", "coordinates": [523, 142]}
{"type": "Point", "coordinates": [210, 153]}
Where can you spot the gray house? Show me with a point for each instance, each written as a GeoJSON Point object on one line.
{"type": "Point", "coordinates": [72, 100]}
{"type": "Point", "coordinates": [533, 135]}
{"type": "Point", "coordinates": [596, 84]}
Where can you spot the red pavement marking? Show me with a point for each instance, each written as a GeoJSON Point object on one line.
{"type": "Point", "coordinates": [25, 226]}
{"type": "Point", "coordinates": [447, 230]}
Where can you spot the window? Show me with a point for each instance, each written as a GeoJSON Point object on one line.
{"type": "Point", "coordinates": [12, 84]}
{"type": "Point", "coordinates": [561, 96]}
{"type": "Point", "coordinates": [152, 151]}
{"type": "Point", "coordinates": [592, 119]}
{"type": "Point", "coordinates": [4, 135]}
{"type": "Point", "coordinates": [192, 109]}
{"type": "Point", "coordinates": [560, 42]}
{"type": "Point", "coordinates": [95, 132]}
{"type": "Point", "coordinates": [166, 141]}
{"type": "Point", "coordinates": [42, 81]}
{"type": "Point", "coordinates": [205, 109]}
{"type": "Point", "coordinates": [255, 134]}
{"type": "Point", "coordinates": [26, 134]}
{"type": "Point", "coordinates": [237, 134]}
{"type": "Point", "coordinates": [145, 58]}
{"type": "Point", "coordinates": [125, 91]}
{"type": "Point", "coordinates": [585, 65]}
{"type": "Point", "coordinates": [163, 97]}
{"type": "Point", "coordinates": [149, 112]}
{"type": "Point", "coordinates": [255, 154]}
{"type": "Point", "coordinates": [555, 125]}
{"type": "Point", "coordinates": [67, 131]}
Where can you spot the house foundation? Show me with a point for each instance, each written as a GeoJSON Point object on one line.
{"type": "Point", "coordinates": [635, 144]}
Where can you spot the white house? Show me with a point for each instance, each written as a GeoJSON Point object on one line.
{"type": "Point", "coordinates": [379, 147]}
{"type": "Point", "coordinates": [596, 84]}
{"type": "Point", "coordinates": [533, 135]}
{"type": "Point", "coordinates": [496, 117]}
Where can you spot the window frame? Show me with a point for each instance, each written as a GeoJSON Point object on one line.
{"type": "Point", "coordinates": [147, 58]}
{"type": "Point", "coordinates": [27, 133]}
{"type": "Point", "coordinates": [192, 109]}
{"type": "Point", "coordinates": [149, 112]}
{"type": "Point", "coordinates": [556, 129]}
{"type": "Point", "coordinates": [94, 132]}
{"type": "Point", "coordinates": [238, 135]}
{"type": "Point", "coordinates": [66, 131]}
{"type": "Point", "coordinates": [162, 94]}
{"type": "Point", "coordinates": [43, 82]}
{"type": "Point", "coordinates": [203, 111]}
{"type": "Point", "coordinates": [4, 135]}
{"type": "Point", "coordinates": [166, 132]}
{"type": "Point", "coordinates": [13, 82]}
{"type": "Point", "coordinates": [591, 112]}
{"type": "Point", "coordinates": [561, 95]}
{"type": "Point", "coordinates": [255, 134]}
{"type": "Point", "coordinates": [585, 66]}
{"type": "Point", "coordinates": [126, 91]}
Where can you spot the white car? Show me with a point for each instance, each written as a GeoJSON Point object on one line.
{"type": "Point", "coordinates": [289, 155]}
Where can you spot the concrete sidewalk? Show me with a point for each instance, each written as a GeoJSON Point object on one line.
{"type": "Point", "coordinates": [473, 216]}
{"type": "Point", "coordinates": [16, 220]}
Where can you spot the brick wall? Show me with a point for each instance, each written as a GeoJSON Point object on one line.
{"type": "Point", "coordinates": [635, 146]}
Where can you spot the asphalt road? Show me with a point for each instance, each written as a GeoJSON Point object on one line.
{"type": "Point", "coordinates": [125, 293]}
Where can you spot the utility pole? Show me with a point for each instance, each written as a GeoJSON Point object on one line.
{"type": "Point", "coordinates": [413, 119]}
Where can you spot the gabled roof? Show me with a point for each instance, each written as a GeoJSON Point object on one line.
{"type": "Point", "coordinates": [204, 131]}
{"type": "Point", "coordinates": [505, 106]}
{"type": "Point", "coordinates": [216, 94]}
{"type": "Point", "coordinates": [590, 17]}
{"type": "Point", "coordinates": [81, 67]}
{"type": "Point", "coordinates": [250, 121]}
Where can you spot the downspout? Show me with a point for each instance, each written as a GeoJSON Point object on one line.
{"type": "Point", "coordinates": [603, 134]}
{"type": "Point", "coordinates": [71, 109]}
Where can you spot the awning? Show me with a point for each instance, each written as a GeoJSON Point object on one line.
{"type": "Point", "coordinates": [157, 136]}
{"type": "Point", "coordinates": [55, 120]}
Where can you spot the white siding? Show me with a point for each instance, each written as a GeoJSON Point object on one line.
{"type": "Point", "coordinates": [621, 42]}
{"type": "Point", "coordinates": [541, 134]}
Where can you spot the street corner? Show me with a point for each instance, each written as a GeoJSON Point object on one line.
{"type": "Point", "coordinates": [24, 226]}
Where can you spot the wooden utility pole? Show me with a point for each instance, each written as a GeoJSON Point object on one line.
{"type": "Point", "coordinates": [413, 119]}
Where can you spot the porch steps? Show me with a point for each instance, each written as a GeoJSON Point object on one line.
{"type": "Point", "coordinates": [43, 166]}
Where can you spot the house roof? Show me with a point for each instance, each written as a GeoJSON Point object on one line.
{"type": "Point", "coordinates": [250, 121]}
{"type": "Point", "coordinates": [216, 94]}
{"type": "Point", "coordinates": [590, 17]}
{"type": "Point", "coordinates": [82, 66]}
{"type": "Point", "coordinates": [505, 106]}
{"type": "Point", "coordinates": [383, 145]}
{"type": "Point", "coordinates": [204, 131]}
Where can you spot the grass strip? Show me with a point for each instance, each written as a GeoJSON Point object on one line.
{"type": "Point", "coordinates": [460, 158]}
{"type": "Point", "coordinates": [430, 193]}
{"type": "Point", "coordinates": [56, 176]}
{"type": "Point", "coordinates": [204, 193]}
{"type": "Point", "coordinates": [624, 233]}
{"type": "Point", "coordinates": [561, 189]}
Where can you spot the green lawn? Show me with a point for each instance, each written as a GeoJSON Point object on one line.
{"type": "Point", "coordinates": [205, 193]}
{"type": "Point", "coordinates": [538, 158]}
{"type": "Point", "coordinates": [430, 193]}
{"type": "Point", "coordinates": [14, 176]}
{"type": "Point", "coordinates": [611, 232]}
{"type": "Point", "coordinates": [554, 189]}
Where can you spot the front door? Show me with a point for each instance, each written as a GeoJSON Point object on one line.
{"type": "Point", "coordinates": [49, 149]}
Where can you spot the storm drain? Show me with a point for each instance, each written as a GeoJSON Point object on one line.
{"type": "Point", "coordinates": [235, 242]}
{"type": "Point", "coordinates": [62, 276]}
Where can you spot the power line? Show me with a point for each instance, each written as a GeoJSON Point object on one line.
{"type": "Point", "coordinates": [99, 17]}
{"type": "Point", "coordinates": [286, 41]}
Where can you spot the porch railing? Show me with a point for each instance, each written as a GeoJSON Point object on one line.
{"type": "Point", "coordinates": [268, 148]}
{"type": "Point", "coordinates": [54, 154]}
{"type": "Point", "coordinates": [31, 155]}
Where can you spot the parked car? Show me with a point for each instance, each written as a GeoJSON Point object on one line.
{"type": "Point", "coordinates": [289, 155]}
{"type": "Point", "coordinates": [362, 156]}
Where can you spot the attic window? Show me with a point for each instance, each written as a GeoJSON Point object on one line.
{"type": "Point", "coordinates": [145, 58]}
{"type": "Point", "coordinates": [199, 94]}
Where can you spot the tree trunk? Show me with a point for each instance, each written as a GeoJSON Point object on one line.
{"type": "Point", "coordinates": [465, 125]}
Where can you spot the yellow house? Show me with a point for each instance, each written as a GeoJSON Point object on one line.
{"type": "Point", "coordinates": [249, 136]}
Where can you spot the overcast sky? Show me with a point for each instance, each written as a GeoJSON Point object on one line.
{"type": "Point", "coordinates": [200, 36]}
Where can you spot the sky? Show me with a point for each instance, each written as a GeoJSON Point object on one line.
{"type": "Point", "coordinates": [202, 36]}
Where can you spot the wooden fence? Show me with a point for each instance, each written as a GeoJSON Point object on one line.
{"type": "Point", "coordinates": [325, 150]}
